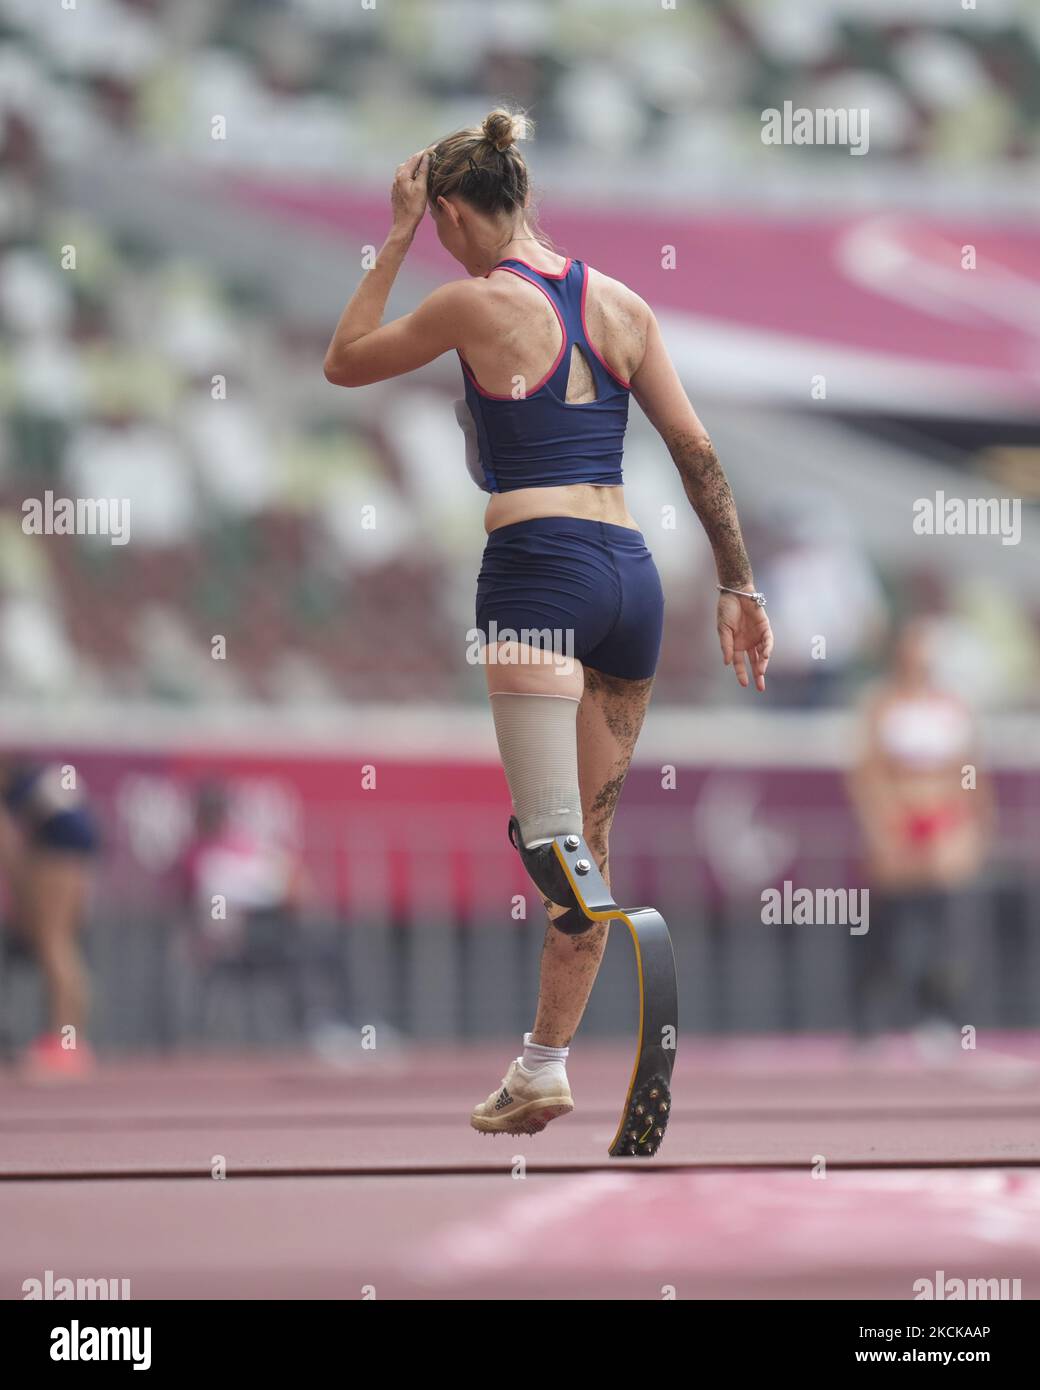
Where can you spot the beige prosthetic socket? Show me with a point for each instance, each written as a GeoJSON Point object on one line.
{"type": "Point", "coordinates": [538, 743]}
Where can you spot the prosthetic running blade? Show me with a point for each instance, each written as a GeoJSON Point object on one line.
{"type": "Point", "coordinates": [648, 1103]}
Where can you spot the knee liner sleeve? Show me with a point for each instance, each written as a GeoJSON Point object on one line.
{"type": "Point", "coordinates": [538, 744]}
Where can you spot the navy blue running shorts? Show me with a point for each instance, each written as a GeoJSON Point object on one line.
{"type": "Point", "coordinates": [594, 583]}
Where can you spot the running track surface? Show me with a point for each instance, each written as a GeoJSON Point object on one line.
{"type": "Point", "coordinates": [364, 1176]}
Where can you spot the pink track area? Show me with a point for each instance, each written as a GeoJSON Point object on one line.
{"type": "Point", "coordinates": [790, 1169]}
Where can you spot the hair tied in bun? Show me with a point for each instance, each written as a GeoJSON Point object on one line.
{"type": "Point", "coordinates": [504, 128]}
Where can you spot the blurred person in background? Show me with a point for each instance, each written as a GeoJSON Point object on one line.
{"type": "Point", "coordinates": [551, 351]}
{"type": "Point", "coordinates": [242, 899]}
{"type": "Point", "coordinates": [825, 599]}
{"type": "Point", "coordinates": [48, 842]}
{"type": "Point", "coordinates": [925, 814]}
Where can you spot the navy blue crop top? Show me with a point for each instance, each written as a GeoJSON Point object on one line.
{"type": "Point", "coordinates": [540, 440]}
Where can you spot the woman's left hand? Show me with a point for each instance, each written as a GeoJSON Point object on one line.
{"type": "Point", "coordinates": [408, 194]}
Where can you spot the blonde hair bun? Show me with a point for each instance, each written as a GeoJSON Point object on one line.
{"type": "Point", "coordinates": [504, 128]}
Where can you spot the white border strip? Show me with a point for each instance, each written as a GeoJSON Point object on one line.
{"type": "Point", "coordinates": [708, 736]}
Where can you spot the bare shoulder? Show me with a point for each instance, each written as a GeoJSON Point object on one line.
{"type": "Point", "coordinates": [494, 311]}
{"type": "Point", "coordinates": [618, 320]}
{"type": "Point", "coordinates": [493, 301]}
{"type": "Point", "coordinates": [457, 310]}
{"type": "Point", "coordinates": [456, 297]}
{"type": "Point", "coordinates": [617, 298]}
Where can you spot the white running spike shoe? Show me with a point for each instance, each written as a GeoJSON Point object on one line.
{"type": "Point", "coordinates": [525, 1102]}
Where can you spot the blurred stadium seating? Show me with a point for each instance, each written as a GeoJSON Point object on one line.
{"type": "Point", "coordinates": [244, 516]}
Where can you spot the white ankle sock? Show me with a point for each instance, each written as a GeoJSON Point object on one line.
{"type": "Point", "coordinates": [537, 1055]}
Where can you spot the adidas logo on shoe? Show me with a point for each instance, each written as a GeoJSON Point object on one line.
{"type": "Point", "coordinates": [504, 1099]}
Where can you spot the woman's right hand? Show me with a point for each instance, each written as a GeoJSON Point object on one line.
{"type": "Point", "coordinates": [744, 636]}
{"type": "Point", "coordinates": [408, 194]}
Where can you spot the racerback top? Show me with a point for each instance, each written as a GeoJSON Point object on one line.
{"type": "Point", "coordinates": [540, 439]}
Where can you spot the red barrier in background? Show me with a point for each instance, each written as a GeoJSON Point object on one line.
{"type": "Point", "coordinates": [406, 834]}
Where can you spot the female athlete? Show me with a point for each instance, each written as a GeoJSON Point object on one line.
{"type": "Point", "coordinates": [550, 351]}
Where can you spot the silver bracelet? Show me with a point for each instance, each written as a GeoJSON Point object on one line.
{"type": "Point", "coordinates": [758, 598]}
